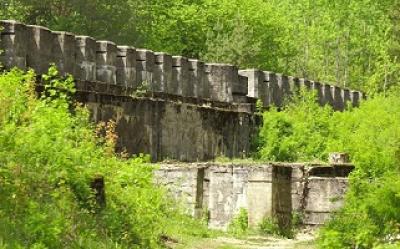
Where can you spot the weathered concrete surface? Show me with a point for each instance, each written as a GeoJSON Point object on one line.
{"type": "Point", "coordinates": [260, 194]}
{"type": "Point", "coordinates": [324, 191]}
{"type": "Point", "coordinates": [183, 184]}
{"type": "Point", "coordinates": [170, 128]}
{"type": "Point", "coordinates": [29, 46]}
{"type": "Point", "coordinates": [274, 191]}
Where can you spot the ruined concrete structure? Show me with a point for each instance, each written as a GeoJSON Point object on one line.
{"type": "Point", "coordinates": [170, 107]}
{"type": "Point", "coordinates": [278, 191]}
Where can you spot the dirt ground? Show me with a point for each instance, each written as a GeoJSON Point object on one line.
{"type": "Point", "coordinates": [302, 241]}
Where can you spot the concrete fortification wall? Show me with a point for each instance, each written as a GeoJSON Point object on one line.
{"type": "Point", "coordinates": [173, 107]}
{"type": "Point", "coordinates": [170, 107]}
{"type": "Point", "coordinates": [276, 191]}
{"type": "Point", "coordinates": [29, 46]}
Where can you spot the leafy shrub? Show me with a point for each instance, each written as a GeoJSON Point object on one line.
{"type": "Point", "coordinates": [297, 133]}
{"type": "Point", "coordinates": [371, 135]}
{"type": "Point", "coordinates": [48, 157]}
{"type": "Point", "coordinates": [239, 224]}
{"type": "Point", "coordinates": [269, 226]}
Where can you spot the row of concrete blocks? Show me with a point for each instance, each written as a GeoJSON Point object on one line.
{"type": "Point", "coordinates": [29, 46]}
{"type": "Point", "coordinates": [36, 47]}
{"type": "Point", "coordinates": [274, 89]}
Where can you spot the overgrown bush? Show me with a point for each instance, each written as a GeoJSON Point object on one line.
{"type": "Point", "coordinates": [371, 135]}
{"type": "Point", "coordinates": [240, 224]}
{"type": "Point", "coordinates": [49, 154]}
{"type": "Point", "coordinates": [297, 133]}
{"type": "Point", "coordinates": [269, 226]}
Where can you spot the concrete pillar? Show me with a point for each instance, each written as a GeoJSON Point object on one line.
{"type": "Point", "coordinates": [338, 158]}
{"type": "Point", "coordinates": [240, 85]}
{"type": "Point", "coordinates": [145, 63]}
{"type": "Point", "coordinates": [293, 85]}
{"type": "Point", "coordinates": [240, 95]}
{"type": "Point", "coordinates": [221, 77]}
{"type": "Point", "coordinates": [162, 72]}
{"type": "Point", "coordinates": [274, 93]}
{"type": "Point", "coordinates": [362, 96]}
{"type": "Point", "coordinates": [317, 88]}
{"type": "Point", "coordinates": [283, 90]}
{"type": "Point", "coordinates": [64, 52]}
{"type": "Point", "coordinates": [220, 197]}
{"type": "Point", "coordinates": [282, 195]}
{"type": "Point", "coordinates": [85, 68]}
{"type": "Point", "coordinates": [126, 66]}
{"type": "Point", "coordinates": [304, 83]}
{"type": "Point", "coordinates": [106, 62]}
{"type": "Point", "coordinates": [197, 77]}
{"type": "Point", "coordinates": [260, 195]}
{"type": "Point", "coordinates": [257, 87]}
{"type": "Point", "coordinates": [355, 98]}
{"type": "Point", "coordinates": [40, 41]}
{"type": "Point", "coordinates": [346, 97]}
{"type": "Point", "coordinates": [327, 94]}
{"type": "Point", "coordinates": [180, 75]}
{"type": "Point", "coordinates": [338, 103]}
{"type": "Point", "coordinates": [13, 44]}
{"type": "Point", "coordinates": [298, 183]}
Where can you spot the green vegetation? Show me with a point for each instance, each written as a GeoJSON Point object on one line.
{"type": "Point", "coordinates": [371, 135]}
{"type": "Point", "coordinates": [48, 158]}
{"type": "Point", "coordinates": [49, 153]}
{"type": "Point", "coordinates": [269, 226]}
{"type": "Point", "coordinates": [239, 225]}
{"type": "Point", "coordinates": [352, 43]}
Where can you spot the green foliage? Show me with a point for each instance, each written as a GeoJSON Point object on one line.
{"type": "Point", "coordinates": [298, 133]}
{"type": "Point", "coordinates": [371, 135]}
{"type": "Point", "coordinates": [240, 224]}
{"type": "Point", "coordinates": [269, 226]}
{"type": "Point", "coordinates": [49, 155]}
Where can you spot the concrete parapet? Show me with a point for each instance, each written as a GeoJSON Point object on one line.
{"type": "Point", "coordinates": [13, 42]}
{"type": "Point", "coordinates": [257, 86]}
{"type": "Point", "coordinates": [283, 89]}
{"type": "Point", "coordinates": [317, 88]}
{"type": "Point", "coordinates": [64, 52]}
{"type": "Point", "coordinates": [338, 103]}
{"type": "Point", "coordinates": [180, 75]}
{"type": "Point", "coordinates": [355, 98]}
{"type": "Point", "coordinates": [346, 97]}
{"type": "Point", "coordinates": [197, 78]}
{"type": "Point", "coordinates": [87, 60]}
{"type": "Point", "coordinates": [221, 78]}
{"type": "Point", "coordinates": [106, 62]}
{"type": "Point", "coordinates": [40, 41]}
{"type": "Point", "coordinates": [162, 77]}
{"type": "Point", "coordinates": [126, 66]}
{"type": "Point", "coordinates": [85, 68]}
{"type": "Point", "coordinates": [327, 94]}
{"type": "Point", "coordinates": [304, 83]}
{"type": "Point", "coordinates": [145, 63]}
